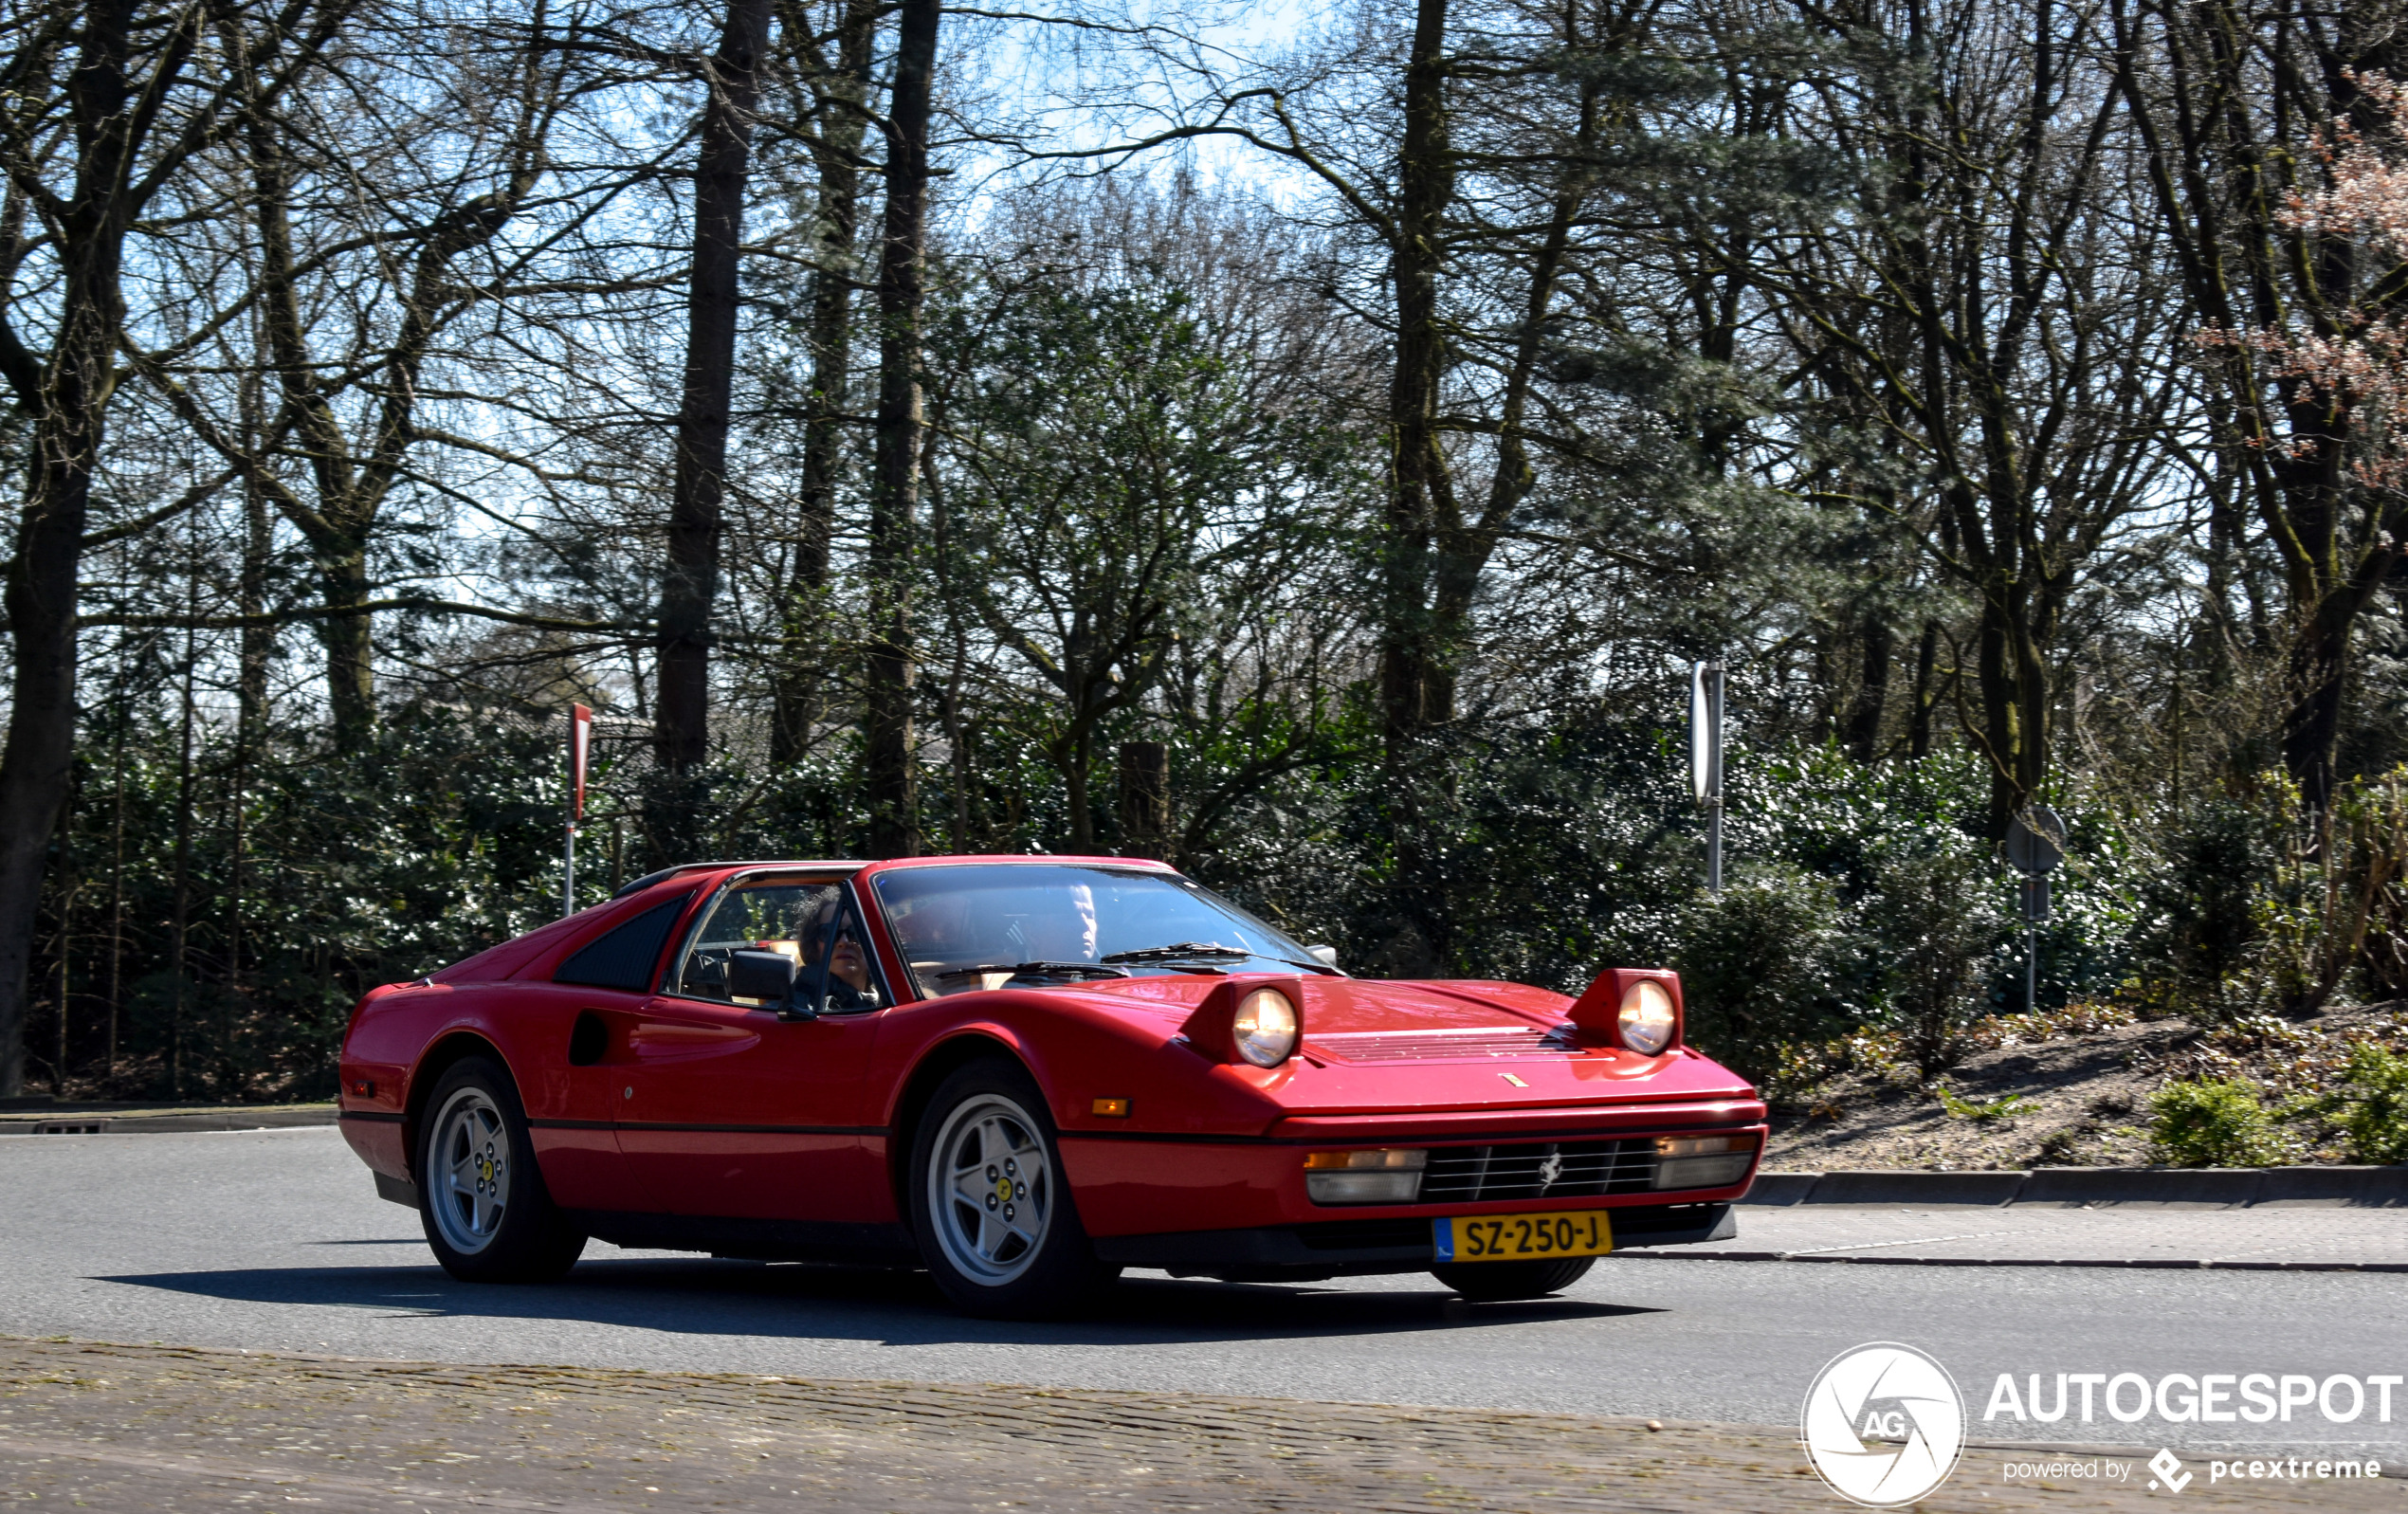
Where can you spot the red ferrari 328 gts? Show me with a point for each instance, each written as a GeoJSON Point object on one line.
{"type": "Point", "coordinates": [1025, 1074]}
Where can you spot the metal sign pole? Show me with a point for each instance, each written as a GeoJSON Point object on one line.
{"type": "Point", "coordinates": [1714, 760]}
{"type": "Point", "coordinates": [2036, 844]}
{"type": "Point", "coordinates": [2031, 967]}
{"type": "Point", "coordinates": [581, 744]}
{"type": "Point", "coordinates": [1706, 759]}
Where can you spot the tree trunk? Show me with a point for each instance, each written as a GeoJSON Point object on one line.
{"type": "Point", "coordinates": [892, 788]}
{"type": "Point", "coordinates": [1927, 664]}
{"type": "Point", "coordinates": [796, 694]}
{"type": "Point", "coordinates": [180, 908]}
{"type": "Point", "coordinates": [2319, 667]}
{"type": "Point", "coordinates": [258, 647]}
{"type": "Point", "coordinates": [1862, 733]}
{"type": "Point", "coordinates": [681, 709]}
{"type": "Point", "coordinates": [1416, 683]}
{"type": "Point", "coordinates": [68, 395]}
{"type": "Point", "coordinates": [350, 645]}
{"type": "Point", "coordinates": [1417, 687]}
{"type": "Point", "coordinates": [1076, 758]}
{"type": "Point", "coordinates": [42, 610]}
{"type": "Point", "coordinates": [1145, 797]}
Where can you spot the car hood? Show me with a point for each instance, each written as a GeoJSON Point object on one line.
{"type": "Point", "coordinates": [1338, 1008]}
{"type": "Point", "coordinates": [1444, 1044]}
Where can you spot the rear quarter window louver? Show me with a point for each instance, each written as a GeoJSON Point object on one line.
{"type": "Point", "coordinates": [623, 955]}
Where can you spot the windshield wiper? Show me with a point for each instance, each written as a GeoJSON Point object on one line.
{"type": "Point", "coordinates": [1183, 952]}
{"type": "Point", "coordinates": [1037, 970]}
{"type": "Point", "coordinates": [1310, 967]}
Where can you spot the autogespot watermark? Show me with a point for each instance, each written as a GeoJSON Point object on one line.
{"type": "Point", "coordinates": [1883, 1423]}
{"type": "Point", "coordinates": [2181, 1398]}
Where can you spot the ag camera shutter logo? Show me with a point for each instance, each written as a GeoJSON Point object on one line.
{"type": "Point", "coordinates": [1883, 1423]}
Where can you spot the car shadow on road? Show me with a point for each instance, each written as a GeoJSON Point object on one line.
{"type": "Point", "coordinates": [699, 1296]}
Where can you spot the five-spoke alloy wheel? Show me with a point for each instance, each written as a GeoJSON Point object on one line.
{"type": "Point", "coordinates": [990, 1189]}
{"type": "Point", "coordinates": [480, 1197]}
{"type": "Point", "coordinates": [995, 1222]}
{"type": "Point", "coordinates": [468, 1177]}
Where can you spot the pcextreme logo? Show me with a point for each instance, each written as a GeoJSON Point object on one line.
{"type": "Point", "coordinates": [1883, 1423]}
{"type": "Point", "coordinates": [2169, 1468]}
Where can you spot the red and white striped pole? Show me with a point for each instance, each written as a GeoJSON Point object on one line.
{"type": "Point", "coordinates": [581, 744]}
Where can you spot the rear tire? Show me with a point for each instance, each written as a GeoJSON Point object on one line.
{"type": "Point", "coordinates": [1501, 1282]}
{"type": "Point", "coordinates": [990, 1205]}
{"type": "Point", "coordinates": [481, 1195]}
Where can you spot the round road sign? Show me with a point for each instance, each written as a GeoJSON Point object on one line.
{"type": "Point", "coordinates": [2035, 840]}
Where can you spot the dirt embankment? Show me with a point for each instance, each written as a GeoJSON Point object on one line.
{"type": "Point", "coordinates": [2070, 1091]}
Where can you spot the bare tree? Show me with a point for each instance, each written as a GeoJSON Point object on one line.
{"type": "Point", "coordinates": [891, 666]}
{"type": "Point", "coordinates": [840, 111]}
{"type": "Point", "coordinates": [2226, 98]}
{"type": "Point", "coordinates": [1995, 311]}
{"type": "Point", "coordinates": [108, 100]}
{"type": "Point", "coordinates": [688, 589]}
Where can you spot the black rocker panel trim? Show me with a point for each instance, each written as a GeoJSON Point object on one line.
{"type": "Point", "coordinates": [731, 1130]}
{"type": "Point", "coordinates": [757, 1240]}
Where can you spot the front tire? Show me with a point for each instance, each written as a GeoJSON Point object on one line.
{"type": "Point", "coordinates": [1501, 1282]}
{"type": "Point", "coordinates": [480, 1196]}
{"type": "Point", "coordinates": [989, 1203]}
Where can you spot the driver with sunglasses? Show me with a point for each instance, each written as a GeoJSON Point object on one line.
{"type": "Point", "coordinates": [848, 960]}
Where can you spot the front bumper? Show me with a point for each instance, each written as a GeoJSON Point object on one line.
{"type": "Point", "coordinates": [1361, 1248]}
{"type": "Point", "coordinates": [1145, 1184]}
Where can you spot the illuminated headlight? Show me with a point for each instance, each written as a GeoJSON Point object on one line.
{"type": "Point", "coordinates": [1389, 1177]}
{"type": "Point", "coordinates": [1647, 1019]}
{"type": "Point", "coordinates": [1702, 1162]}
{"type": "Point", "coordinates": [1265, 1029]}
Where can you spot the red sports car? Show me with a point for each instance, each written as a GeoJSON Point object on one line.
{"type": "Point", "coordinates": [1026, 1074]}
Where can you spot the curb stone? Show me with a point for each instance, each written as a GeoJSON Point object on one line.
{"type": "Point", "coordinates": [1878, 1187]}
{"type": "Point", "coordinates": [2150, 1262]}
{"type": "Point", "coordinates": [106, 1123]}
{"type": "Point", "coordinates": [1781, 1187]}
{"type": "Point", "coordinates": [2087, 1187]}
{"type": "Point", "coordinates": [2171, 1188]}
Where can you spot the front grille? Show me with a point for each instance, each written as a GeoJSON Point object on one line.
{"type": "Point", "coordinates": [1442, 1045]}
{"type": "Point", "coordinates": [1565, 1169]}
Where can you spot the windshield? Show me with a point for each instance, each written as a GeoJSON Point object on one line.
{"type": "Point", "coordinates": [970, 926]}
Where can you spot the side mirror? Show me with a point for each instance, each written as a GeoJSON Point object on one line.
{"type": "Point", "coordinates": [765, 976]}
{"type": "Point", "coordinates": [1326, 955]}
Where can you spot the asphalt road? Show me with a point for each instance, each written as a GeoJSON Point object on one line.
{"type": "Point", "coordinates": [275, 1241]}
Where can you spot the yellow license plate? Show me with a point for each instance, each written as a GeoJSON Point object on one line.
{"type": "Point", "coordinates": [1522, 1237]}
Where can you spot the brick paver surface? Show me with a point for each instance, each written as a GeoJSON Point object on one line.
{"type": "Point", "coordinates": [2219, 1238]}
{"type": "Point", "coordinates": [150, 1428]}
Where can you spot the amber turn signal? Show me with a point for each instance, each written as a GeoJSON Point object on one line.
{"type": "Point", "coordinates": [1386, 1176]}
{"type": "Point", "coordinates": [1703, 1161]}
{"type": "Point", "coordinates": [1110, 1108]}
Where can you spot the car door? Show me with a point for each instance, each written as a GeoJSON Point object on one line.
{"type": "Point", "coordinates": [579, 1024]}
{"type": "Point", "coordinates": [727, 1110]}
